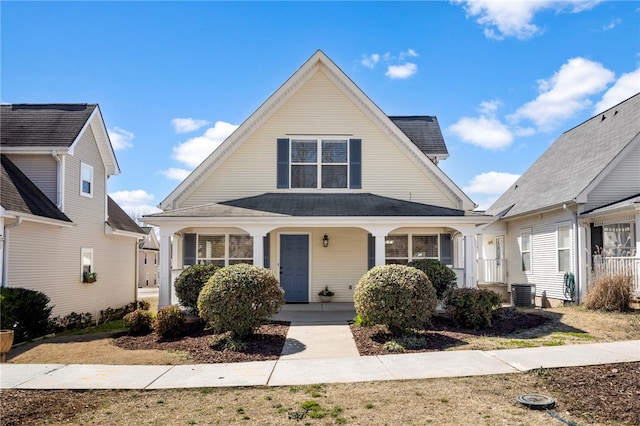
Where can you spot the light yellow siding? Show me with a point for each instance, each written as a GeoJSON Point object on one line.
{"type": "Point", "coordinates": [42, 170]}
{"type": "Point", "coordinates": [151, 267]}
{"type": "Point", "coordinates": [319, 108]}
{"type": "Point", "coordinates": [47, 258]}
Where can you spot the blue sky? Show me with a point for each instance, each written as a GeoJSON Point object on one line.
{"type": "Point", "coordinates": [173, 79]}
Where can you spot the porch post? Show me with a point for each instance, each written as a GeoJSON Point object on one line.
{"type": "Point", "coordinates": [258, 250]}
{"type": "Point", "coordinates": [380, 250]}
{"type": "Point", "coordinates": [470, 280]}
{"type": "Point", "coordinates": [164, 289]}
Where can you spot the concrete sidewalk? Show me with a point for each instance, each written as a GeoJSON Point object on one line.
{"type": "Point", "coordinates": [308, 371]}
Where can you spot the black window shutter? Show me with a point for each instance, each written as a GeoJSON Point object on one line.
{"type": "Point", "coordinates": [267, 246]}
{"type": "Point", "coordinates": [355, 163]}
{"type": "Point", "coordinates": [283, 163]}
{"type": "Point", "coordinates": [446, 252]}
{"type": "Point", "coordinates": [189, 249]}
{"type": "Point", "coordinates": [371, 248]}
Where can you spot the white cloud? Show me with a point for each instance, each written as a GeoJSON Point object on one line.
{"type": "Point", "coordinates": [371, 60]}
{"type": "Point", "coordinates": [120, 138]}
{"type": "Point", "coordinates": [175, 173]}
{"type": "Point", "coordinates": [611, 25]}
{"type": "Point", "coordinates": [401, 71]}
{"type": "Point", "coordinates": [502, 19]}
{"type": "Point", "coordinates": [626, 86]}
{"type": "Point", "coordinates": [491, 183]}
{"type": "Point", "coordinates": [193, 151]}
{"type": "Point", "coordinates": [136, 202]}
{"type": "Point", "coordinates": [409, 53]}
{"type": "Point", "coordinates": [186, 125]}
{"type": "Point", "coordinates": [564, 94]}
{"type": "Point", "coordinates": [485, 132]}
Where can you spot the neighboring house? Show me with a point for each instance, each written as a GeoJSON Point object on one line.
{"type": "Point", "coordinates": [575, 210]}
{"type": "Point", "coordinates": [319, 185]}
{"type": "Point", "coordinates": [56, 219]}
{"type": "Point", "coordinates": [148, 259]}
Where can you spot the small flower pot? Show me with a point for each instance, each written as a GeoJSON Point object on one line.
{"type": "Point", "coordinates": [325, 299]}
{"type": "Point", "coordinates": [6, 341]}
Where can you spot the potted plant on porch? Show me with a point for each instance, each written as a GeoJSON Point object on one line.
{"type": "Point", "coordinates": [325, 295]}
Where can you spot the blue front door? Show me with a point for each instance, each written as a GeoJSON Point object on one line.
{"type": "Point", "coordinates": [294, 268]}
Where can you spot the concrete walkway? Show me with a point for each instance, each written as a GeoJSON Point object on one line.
{"type": "Point", "coordinates": [286, 372]}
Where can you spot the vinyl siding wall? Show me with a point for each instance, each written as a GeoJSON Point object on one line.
{"type": "Point", "coordinates": [41, 170]}
{"type": "Point", "coordinates": [544, 264]}
{"type": "Point", "coordinates": [47, 258]}
{"type": "Point", "coordinates": [319, 108]}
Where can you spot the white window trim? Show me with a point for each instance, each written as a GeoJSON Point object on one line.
{"type": "Point", "coordinates": [83, 167]}
{"type": "Point", "coordinates": [558, 248]}
{"type": "Point", "coordinates": [83, 252]}
{"type": "Point", "coordinates": [410, 236]}
{"type": "Point", "coordinates": [227, 242]}
{"type": "Point", "coordinates": [529, 232]}
{"type": "Point", "coordinates": [318, 163]}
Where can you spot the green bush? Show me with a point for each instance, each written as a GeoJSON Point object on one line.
{"type": "Point", "coordinates": [610, 293]}
{"type": "Point", "coordinates": [442, 278]}
{"type": "Point", "coordinates": [170, 322]}
{"type": "Point", "coordinates": [138, 322]}
{"type": "Point", "coordinates": [397, 296]}
{"type": "Point", "coordinates": [190, 283]}
{"type": "Point", "coordinates": [26, 312]}
{"type": "Point", "coordinates": [238, 298]}
{"type": "Point", "coordinates": [471, 307]}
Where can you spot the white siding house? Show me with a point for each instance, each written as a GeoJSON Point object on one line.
{"type": "Point", "coordinates": [56, 219]}
{"type": "Point", "coordinates": [575, 213]}
{"type": "Point", "coordinates": [319, 185]}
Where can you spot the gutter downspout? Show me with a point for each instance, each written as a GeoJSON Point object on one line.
{"type": "Point", "coordinates": [5, 251]}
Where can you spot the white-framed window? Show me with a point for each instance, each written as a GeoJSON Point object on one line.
{"type": "Point", "coordinates": [525, 249]}
{"type": "Point", "coordinates": [319, 163]}
{"type": "Point", "coordinates": [618, 239]}
{"type": "Point", "coordinates": [403, 248]}
{"type": "Point", "coordinates": [86, 261]}
{"type": "Point", "coordinates": [223, 250]}
{"type": "Point", "coordinates": [563, 234]}
{"type": "Point", "coordinates": [86, 180]}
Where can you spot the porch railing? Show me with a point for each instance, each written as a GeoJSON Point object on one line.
{"type": "Point", "coordinates": [492, 270]}
{"type": "Point", "coordinates": [608, 266]}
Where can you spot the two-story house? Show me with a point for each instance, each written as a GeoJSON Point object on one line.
{"type": "Point", "coordinates": [58, 224]}
{"type": "Point", "coordinates": [148, 259]}
{"type": "Point", "coordinates": [319, 185]}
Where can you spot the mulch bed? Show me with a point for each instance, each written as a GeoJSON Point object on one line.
{"type": "Point", "coordinates": [205, 347]}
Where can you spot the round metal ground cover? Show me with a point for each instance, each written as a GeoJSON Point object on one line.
{"type": "Point", "coordinates": [536, 401]}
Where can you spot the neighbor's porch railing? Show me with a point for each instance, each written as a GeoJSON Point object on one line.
{"type": "Point", "coordinates": [492, 270]}
{"type": "Point", "coordinates": [618, 265]}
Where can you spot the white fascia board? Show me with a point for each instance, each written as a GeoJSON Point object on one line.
{"type": "Point", "coordinates": [61, 150]}
{"type": "Point", "coordinates": [38, 219]}
{"type": "Point", "coordinates": [113, 231]}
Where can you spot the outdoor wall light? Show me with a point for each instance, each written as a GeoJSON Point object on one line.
{"type": "Point", "coordinates": [325, 241]}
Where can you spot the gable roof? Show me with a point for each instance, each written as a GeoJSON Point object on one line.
{"type": "Point", "coordinates": [36, 128]}
{"type": "Point", "coordinates": [312, 205]}
{"type": "Point", "coordinates": [424, 131]}
{"type": "Point", "coordinates": [120, 220]}
{"type": "Point", "coordinates": [18, 194]}
{"type": "Point", "coordinates": [574, 161]}
{"type": "Point", "coordinates": [320, 61]}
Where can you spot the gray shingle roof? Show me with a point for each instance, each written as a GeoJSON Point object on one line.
{"type": "Point", "coordinates": [120, 220]}
{"type": "Point", "coordinates": [47, 125]}
{"type": "Point", "coordinates": [313, 205]}
{"type": "Point", "coordinates": [573, 161]}
{"type": "Point", "coordinates": [424, 132]}
{"type": "Point", "coordinates": [19, 194]}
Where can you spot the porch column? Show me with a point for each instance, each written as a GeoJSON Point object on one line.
{"type": "Point", "coordinates": [380, 249]}
{"type": "Point", "coordinates": [258, 250]}
{"type": "Point", "coordinates": [470, 280]}
{"type": "Point", "coordinates": [164, 289]}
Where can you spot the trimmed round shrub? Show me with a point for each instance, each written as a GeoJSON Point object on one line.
{"type": "Point", "coordinates": [239, 298]}
{"type": "Point", "coordinates": [170, 321]}
{"type": "Point", "coordinates": [26, 312]}
{"type": "Point", "coordinates": [138, 322]}
{"type": "Point", "coordinates": [397, 296]}
{"type": "Point", "coordinates": [610, 293]}
{"type": "Point", "coordinates": [190, 282]}
{"type": "Point", "coordinates": [472, 307]}
{"type": "Point", "coordinates": [442, 278]}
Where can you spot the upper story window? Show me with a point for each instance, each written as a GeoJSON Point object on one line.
{"type": "Point", "coordinates": [319, 163]}
{"type": "Point", "coordinates": [86, 180]}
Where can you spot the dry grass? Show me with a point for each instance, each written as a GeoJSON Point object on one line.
{"type": "Point", "coordinates": [480, 400]}
{"type": "Point", "coordinates": [611, 293]}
